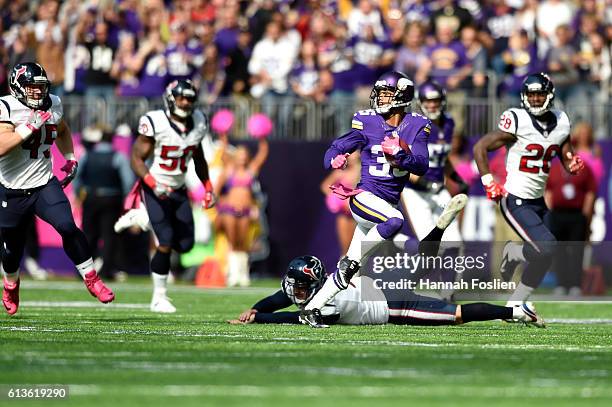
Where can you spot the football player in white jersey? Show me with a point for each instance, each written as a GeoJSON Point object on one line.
{"type": "Point", "coordinates": [533, 134]}
{"type": "Point", "coordinates": [173, 136]}
{"type": "Point", "coordinates": [31, 120]}
{"type": "Point", "coordinates": [362, 303]}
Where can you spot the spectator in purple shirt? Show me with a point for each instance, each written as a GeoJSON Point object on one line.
{"type": "Point", "coordinates": [183, 54]}
{"type": "Point", "coordinates": [226, 38]}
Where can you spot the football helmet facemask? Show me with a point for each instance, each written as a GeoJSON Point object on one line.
{"type": "Point", "coordinates": [304, 278]}
{"type": "Point", "coordinates": [429, 91]}
{"type": "Point", "coordinates": [184, 88]}
{"type": "Point", "coordinates": [400, 89]}
{"type": "Point", "coordinates": [540, 83]}
{"type": "Point", "coordinates": [29, 84]}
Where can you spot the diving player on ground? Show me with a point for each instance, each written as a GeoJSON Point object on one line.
{"type": "Point", "coordinates": [31, 121]}
{"type": "Point", "coordinates": [362, 304]}
{"type": "Point", "coordinates": [173, 136]}
{"type": "Point", "coordinates": [534, 135]}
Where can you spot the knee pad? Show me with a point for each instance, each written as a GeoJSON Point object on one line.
{"type": "Point", "coordinates": [184, 245]}
{"type": "Point", "coordinates": [389, 228]}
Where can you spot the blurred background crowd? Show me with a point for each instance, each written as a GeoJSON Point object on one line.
{"type": "Point", "coordinates": [292, 57]}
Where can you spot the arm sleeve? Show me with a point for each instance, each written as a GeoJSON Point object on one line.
{"type": "Point", "coordinates": [347, 143]}
{"type": "Point", "coordinates": [286, 317]}
{"type": "Point", "coordinates": [508, 122]}
{"type": "Point", "coordinates": [272, 303]}
{"type": "Point", "coordinates": [145, 126]}
{"type": "Point", "coordinates": [418, 162]}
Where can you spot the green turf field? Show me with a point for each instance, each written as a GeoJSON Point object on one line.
{"type": "Point", "coordinates": [123, 355]}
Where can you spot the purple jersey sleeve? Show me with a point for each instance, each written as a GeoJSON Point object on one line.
{"type": "Point", "coordinates": [349, 142]}
{"type": "Point", "coordinates": [418, 162]}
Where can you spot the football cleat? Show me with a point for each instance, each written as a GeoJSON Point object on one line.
{"type": "Point", "coordinates": [312, 317]}
{"type": "Point", "coordinates": [10, 296]}
{"type": "Point", "coordinates": [134, 217]}
{"type": "Point", "coordinates": [347, 268]}
{"type": "Point", "coordinates": [508, 263]}
{"type": "Point", "coordinates": [162, 304]}
{"type": "Point", "coordinates": [529, 315]}
{"type": "Point", "coordinates": [97, 288]}
{"type": "Point", "coordinates": [453, 207]}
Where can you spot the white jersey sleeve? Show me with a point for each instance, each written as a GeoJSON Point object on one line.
{"type": "Point", "coordinates": [145, 126]}
{"type": "Point", "coordinates": [5, 112]}
{"type": "Point", "coordinates": [508, 122]}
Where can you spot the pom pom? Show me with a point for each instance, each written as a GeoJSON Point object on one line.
{"type": "Point", "coordinates": [222, 121]}
{"type": "Point", "coordinates": [259, 126]}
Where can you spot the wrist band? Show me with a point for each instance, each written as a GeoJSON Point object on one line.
{"type": "Point", "coordinates": [486, 179]}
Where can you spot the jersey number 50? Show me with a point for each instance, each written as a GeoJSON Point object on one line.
{"type": "Point", "coordinates": [540, 154]}
{"type": "Point", "coordinates": [176, 157]}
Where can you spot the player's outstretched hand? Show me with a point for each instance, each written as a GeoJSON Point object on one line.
{"type": "Point", "coordinates": [70, 168]}
{"type": "Point", "coordinates": [576, 164]}
{"type": "Point", "coordinates": [209, 196]}
{"type": "Point", "coordinates": [247, 317]}
{"type": "Point", "coordinates": [340, 161]}
{"type": "Point", "coordinates": [391, 145]}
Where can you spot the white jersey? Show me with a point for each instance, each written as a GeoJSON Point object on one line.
{"type": "Point", "coordinates": [174, 148]}
{"type": "Point", "coordinates": [29, 165]}
{"type": "Point", "coordinates": [528, 159]}
{"type": "Point", "coordinates": [354, 310]}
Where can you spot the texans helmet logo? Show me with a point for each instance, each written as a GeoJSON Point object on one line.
{"type": "Point", "coordinates": [19, 72]}
{"type": "Point", "coordinates": [310, 272]}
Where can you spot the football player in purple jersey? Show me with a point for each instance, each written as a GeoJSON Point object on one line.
{"type": "Point", "coordinates": [393, 145]}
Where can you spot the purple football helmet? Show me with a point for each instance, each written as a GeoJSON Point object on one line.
{"type": "Point", "coordinates": [396, 82]}
{"type": "Point", "coordinates": [431, 90]}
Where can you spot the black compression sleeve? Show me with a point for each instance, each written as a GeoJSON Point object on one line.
{"type": "Point", "coordinates": [274, 302]}
{"type": "Point", "coordinates": [481, 311]}
{"type": "Point", "coordinates": [286, 317]}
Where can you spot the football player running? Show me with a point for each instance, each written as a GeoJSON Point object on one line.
{"type": "Point", "coordinates": [305, 276]}
{"type": "Point", "coordinates": [534, 134]}
{"type": "Point", "coordinates": [425, 197]}
{"type": "Point", "coordinates": [381, 134]}
{"type": "Point", "coordinates": [173, 137]}
{"type": "Point", "coordinates": [31, 121]}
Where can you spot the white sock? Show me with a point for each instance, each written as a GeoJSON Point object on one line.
{"type": "Point", "coordinates": [521, 293]}
{"type": "Point", "coordinates": [233, 272]}
{"type": "Point", "coordinates": [243, 262]}
{"type": "Point", "coordinates": [517, 312]}
{"type": "Point", "coordinates": [85, 267]}
{"type": "Point", "coordinates": [160, 283]}
{"type": "Point", "coordinates": [325, 294]}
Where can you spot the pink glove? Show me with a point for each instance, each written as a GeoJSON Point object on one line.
{"type": "Point", "coordinates": [70, 168]}
{"type": "Point", "coordinates": [344, 192]}
{"type": "Point", "coordinates": [390, 145]}
{"type": "Point", "coordinates": [209, 197]}
{"type": "Point", "coordinates": [340, 161]}
{"type": "Point", "coordinates": [35, 121]}
{"type": "Point", "coordinates": [576, 164]}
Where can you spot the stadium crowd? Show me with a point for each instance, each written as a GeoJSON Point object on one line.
{"type": "Point", "coordinates": [319, 50]}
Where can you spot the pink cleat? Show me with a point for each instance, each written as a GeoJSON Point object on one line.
{"type": "Point", "coordinates": [97, 288]}
{"type": "Point", "coordinates": [10, 296]}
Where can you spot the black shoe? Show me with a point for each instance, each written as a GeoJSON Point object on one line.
{"type": "Point", "coordinates": [312, 317]}
{"type": "Point", "coordinates": [346, 270]}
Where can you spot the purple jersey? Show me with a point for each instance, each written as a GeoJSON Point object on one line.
{"type": "Point", "coordinates": [446, 60]}
{"type": "Point", "coordinates": [183, 60]}
{"type": "Point", "coordinates": [439, 147]}
{"type": "Point", "coordinates": [153, 76]}
{"type": "Point", "coordinates": [379, 176]}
